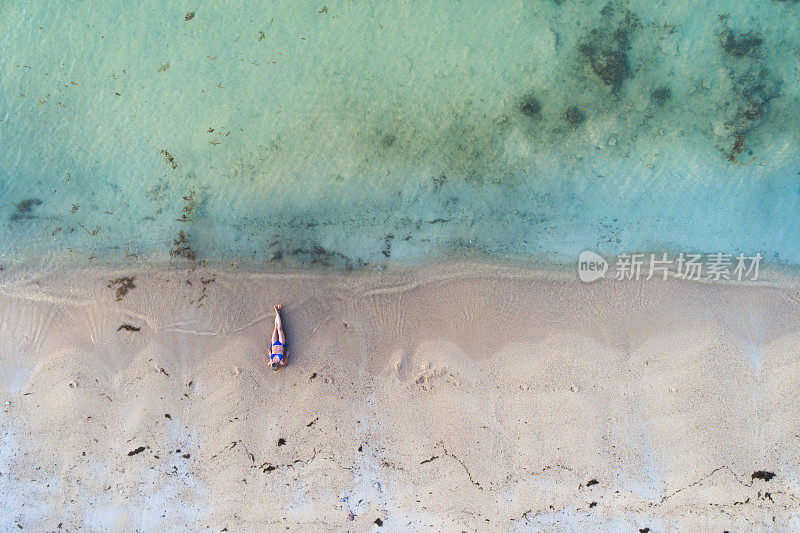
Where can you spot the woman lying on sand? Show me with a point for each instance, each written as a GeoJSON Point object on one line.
{"type": "Point", "coordinates": [276, 356]}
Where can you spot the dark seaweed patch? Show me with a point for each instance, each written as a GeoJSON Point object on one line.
{"type": "Point", "coordinates": [752, 89]}
{"type": "Point", "coordinates": [738, 148]}
{"type": "Point", "coordinates": [741, 44]}
{"type": "Point", "coordinates": [24, 209]}
{"type": "Point", "coordinates": [318, 256]}
{"type": "Point", "coordinates": [605, 48]}
{"type": "Point", "coordinates": [661, 95]}
{"type": "Point", "coordinates": [122, 286]}
{"type": "Point", "coordinates": [755, 92]}
{"type": "Point", "coordinates": [168, 156]}
{"type": "Point", "coordinates": [128, 327]}
{"type": "Point", "coordinates": [26, 206]}
{"type": "Point", "coordinates": [181, 247]}
{"type": "Point", "coordinates": [762, 474]}
{"type": "Point", "coordinates": [529, 106]}
{"type": "Point", "coordinates": [586, 49]}
{"type": "Point", "coordinates": [388, 140]}
{"type": "Point", "coordinates": [438, 181]}
{"type": "Point", "coordinates": [189, 207]}
{"type": "Point", "coordinates": [138, 450]}
{"type": "Point", "coordinates": [574, 116]}
{"type": "Point", "coordinates": [387, 249]}
{"type": "Point", "coordinates": [189, 16]}
{"type": "Point", "coordinates": [611, 66]}
{"type": "Point", "coordinates": [752, 95]}
{"type": "Point", "coordinates": [620, 38]}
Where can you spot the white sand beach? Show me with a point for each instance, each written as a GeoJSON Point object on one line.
{"type": "Point", "coordinates": [476, 399]}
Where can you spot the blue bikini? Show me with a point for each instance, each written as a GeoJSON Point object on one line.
{"type": "Point", "coordinates": [280, 355]}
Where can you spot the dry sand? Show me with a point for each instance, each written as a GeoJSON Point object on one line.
{"type": "Point", "coordinates": [471, 399]}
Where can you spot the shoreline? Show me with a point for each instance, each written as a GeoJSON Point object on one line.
{"type": "Point", "coordinates": [770, 274]}
{"type": "Point", "coordinates": [464, 397]}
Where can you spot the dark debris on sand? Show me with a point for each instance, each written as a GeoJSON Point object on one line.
{"type": "Point", "coordinates": [762, 474]}
{"type": "Point", "coordinates": [122, 286]}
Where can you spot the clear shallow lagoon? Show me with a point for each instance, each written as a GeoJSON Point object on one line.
{"type": "Point", "coordinates": [353, 135]}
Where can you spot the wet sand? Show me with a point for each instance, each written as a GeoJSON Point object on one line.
{"type": "Point", "coordinates": [475, 398]}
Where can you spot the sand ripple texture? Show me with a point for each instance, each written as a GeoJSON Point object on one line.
{"type": "Point", "coordinates": [475, 401]}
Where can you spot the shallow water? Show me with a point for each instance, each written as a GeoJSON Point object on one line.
{"type": "Point", "coordinates": [351, 135]}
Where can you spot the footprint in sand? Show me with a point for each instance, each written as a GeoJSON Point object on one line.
{"type": "Point", "coordinates": [403, 366]}
{"type": "Point", "coordinates": [423, 377]}
{"type": "Point", "coordinates": [431, 377]}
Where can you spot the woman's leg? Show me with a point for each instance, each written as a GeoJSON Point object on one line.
{"type": "Point", "coordinates": [274, 335]}
{"type": "Point", "coordinates": [279, 326]}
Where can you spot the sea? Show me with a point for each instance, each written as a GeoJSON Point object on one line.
{"type": "Point", "coordinates": [353, 135]}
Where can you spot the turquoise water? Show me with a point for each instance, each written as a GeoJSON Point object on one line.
{"type": "Point", "coordinates": [355, 134]}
